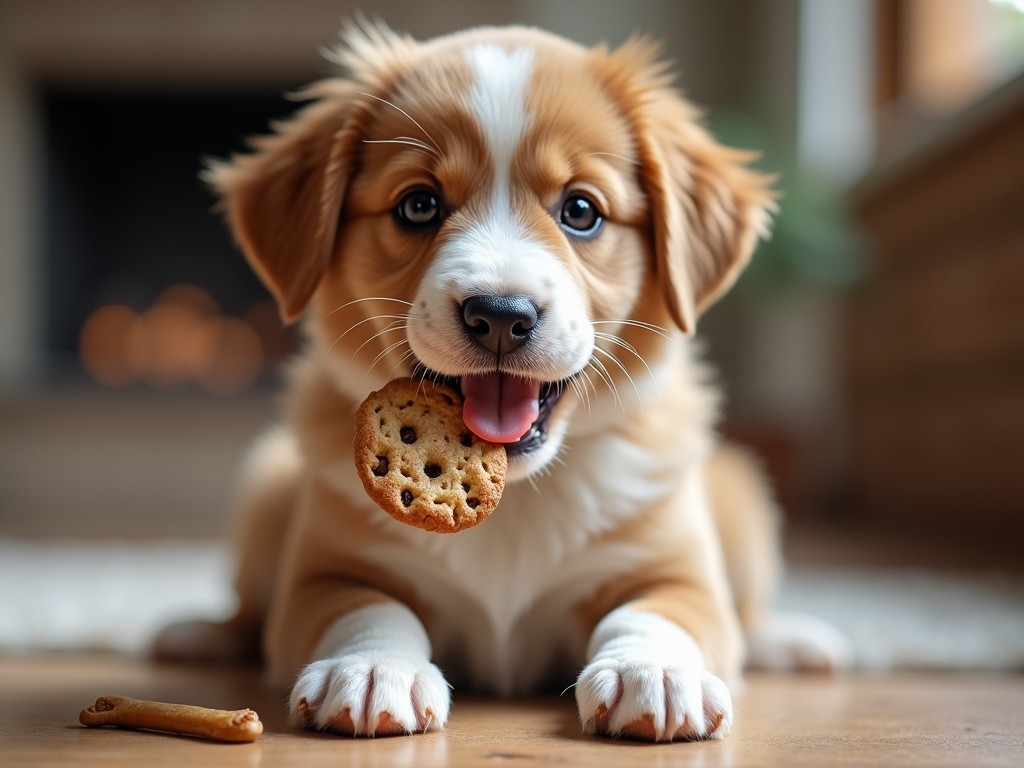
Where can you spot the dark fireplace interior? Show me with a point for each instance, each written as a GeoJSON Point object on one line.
{"type": "Point", "coordinates": [127, 216]}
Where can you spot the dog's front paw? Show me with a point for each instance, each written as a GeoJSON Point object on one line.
{"type": "Point", "coordinates": [639, 698]}
{"type": "Point", "coordinates": [646, 680]}
{"type": "Point", "coordinates": [370, 695]}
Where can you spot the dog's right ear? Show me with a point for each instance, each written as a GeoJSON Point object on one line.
{"type": "Point", "coordinates": [283, 200]}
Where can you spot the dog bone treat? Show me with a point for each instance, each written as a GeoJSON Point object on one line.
{"type": "Point", "coordinates": [219, 724]}
{"type": "Point", "coordinates": [420, 463]}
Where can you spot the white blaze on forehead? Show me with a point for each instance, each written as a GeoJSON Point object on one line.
{"type": "Point", "coordinates": [498, 101]}
{"type": "Point", "coordinates": [498, 243]}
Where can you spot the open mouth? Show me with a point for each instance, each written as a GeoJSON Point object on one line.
{"type": "Point", "coordinates": [502, 408]}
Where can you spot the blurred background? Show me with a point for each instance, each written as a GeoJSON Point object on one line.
{"type": "Point", "coordinates": [873, 355]}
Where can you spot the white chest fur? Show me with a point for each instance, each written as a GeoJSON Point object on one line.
{"type": "Point", "coordinates": [503, 593]}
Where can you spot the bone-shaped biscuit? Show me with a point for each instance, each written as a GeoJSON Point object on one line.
{"type": "Point", "coordinates": [219, 724]}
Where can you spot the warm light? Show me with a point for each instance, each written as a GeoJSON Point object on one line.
{"type": "Point", "coordinates": [179, 343]}
{"type": "Point", "coordinates": [183, 338]}
{"type": "Point", "coordinates": [114, 346]}
{"type": "Point", "coordinates": [236, 357]}
{"type": "Point", "coordinates": [191, 297]}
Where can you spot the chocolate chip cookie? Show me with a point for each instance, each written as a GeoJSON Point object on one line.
{"type": "Point", "coordinates": [420, 463]}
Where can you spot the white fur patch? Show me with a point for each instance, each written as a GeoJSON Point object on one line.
{"type": "Point", "coordinates": [498, 102]}
{"type": "Point", "coordinates": [644, 670]}
{"type": "Point", "coordinates": [372, 666]}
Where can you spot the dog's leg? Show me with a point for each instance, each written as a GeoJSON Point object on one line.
{"type": "Point", "coordinates": [648, 679]}
{"type": "Point", "coordinates": [665, 640]}
{"type": "Point", "coordinates": [352, 630]}
{"type": "Point", "coordinates": [748, 522]}
{"type": "Point", "coordinates": [372, 676]}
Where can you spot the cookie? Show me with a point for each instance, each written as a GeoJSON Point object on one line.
{"type": "Point", "coordinates": [420, 463]}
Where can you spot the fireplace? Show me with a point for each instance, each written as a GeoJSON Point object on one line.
{"type": "Point", "coordinates": [143, 286]}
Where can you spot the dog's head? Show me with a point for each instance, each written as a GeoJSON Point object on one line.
{"type": "Point", "coordinates": [501, 209]}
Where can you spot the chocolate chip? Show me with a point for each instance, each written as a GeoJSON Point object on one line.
{"type": "Point", "coordinates": [382, 466]}
{"type": "Point", "coordinates": [432, 470]}
{"type": "Point", "coordinates": [467, 440]}
{"type": "Point", "coordinates": [472, 502]}
{"type": "Point", "coordinates": [406, 497]}
{"type": "Point", "coordinates": [408, 435]}
{"type": "Point", "coordinates": [465, 487]}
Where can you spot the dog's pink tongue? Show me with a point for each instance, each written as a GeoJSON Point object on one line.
{"type": "Point", "coordinates": [500, 408]}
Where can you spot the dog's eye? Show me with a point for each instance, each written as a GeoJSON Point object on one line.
{"type": "Point", "coordinates": [580, 216]}
{"type": "Point", "coordinates": [419, 208]}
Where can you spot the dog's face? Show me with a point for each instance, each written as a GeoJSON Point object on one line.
{"type": "Point", "coordinates": [502, 210]}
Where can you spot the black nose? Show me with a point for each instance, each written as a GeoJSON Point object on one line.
{"type": "Point", "coordinates": [500, 324]}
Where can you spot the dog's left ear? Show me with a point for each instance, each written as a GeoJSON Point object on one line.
{"type": "Point", "coordinates": [283, 200]}
{"type": "Point", "coordinates": [708, 207]}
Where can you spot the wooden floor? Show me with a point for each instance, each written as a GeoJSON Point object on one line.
{"type": "Point", "coordinates": [912, 720]}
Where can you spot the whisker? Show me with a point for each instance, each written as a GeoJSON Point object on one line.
{"type": "Point", "coordinates": [581, 392]}
{"type": "Point", "coordinates": [434, 377]}
{"type": "Point", "coordinates": [407, 355]}
{"type": "Point", "coordinates": [593, 388]}
{"type": "Point", "coordinates": [635, 324]}
{"type": "Point", "coordinates": [395, 325]}
{"type": "Point", "coordinates": [632, 350]}
{"type": "Point", "coordinates": [371, 320]}
{"type": "Point", "coordinates": [622, 368]}
{"type": "Point", "coordinates": [590, 381]}
{"type": "Point", "coordinates": [367, 298]}
{"type": "Point", "coordinates": [385, 352]}
{"type": "Point", "coordinates": [602, 371]}
{"type": "Point", "coordinates": [368, 320]}
{"type": "Point", "coordinates": [617, 340]}
{"type": "Point", "coordinates": [421, 383]}
{"type": "Point", "coordinates": [410, 118]}
{"type": "Point", "coordinates": [411, 143]}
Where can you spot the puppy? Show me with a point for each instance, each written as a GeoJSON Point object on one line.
{"type": "Point", "coordinates": [541, 224]}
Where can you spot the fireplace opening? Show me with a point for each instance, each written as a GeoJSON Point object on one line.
{"type": "Point", "coordinates": [143, 284]}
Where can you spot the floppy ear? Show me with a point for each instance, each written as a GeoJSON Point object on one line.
{"type": "Point", "coordinates": [708, 207]}
{"type": "Point", "coordinates": [283, 200]}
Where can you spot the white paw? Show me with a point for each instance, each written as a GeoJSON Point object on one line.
{"type": "Point", "coordinates": [646, 680]}
{"type": "Point", "coordinates": [798, 642]}
{"type": "Point", "coordinates": [370, 694]}
{"type": "Point", "coordinates": [639, 699]}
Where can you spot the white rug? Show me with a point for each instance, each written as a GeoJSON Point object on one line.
{"type": "Point", "coordinates": [112, 596]}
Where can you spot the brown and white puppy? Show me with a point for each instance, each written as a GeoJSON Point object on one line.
{"type": "Point", "coordinates": [540, 224]}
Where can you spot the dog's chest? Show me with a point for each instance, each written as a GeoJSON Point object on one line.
{"type": "Point", "coordinates": [503, 595]}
